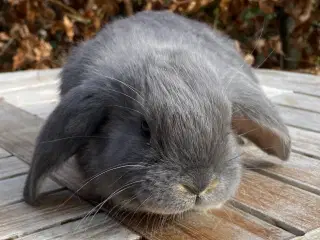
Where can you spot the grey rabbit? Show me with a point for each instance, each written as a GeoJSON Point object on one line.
{"type": "Point", "coordinates": [152, 107]}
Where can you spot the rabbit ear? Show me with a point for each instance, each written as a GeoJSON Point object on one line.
{"type": "Point", "coordinates": [256, 118]}
{"type": "Point", "coordinates": [78, 115]}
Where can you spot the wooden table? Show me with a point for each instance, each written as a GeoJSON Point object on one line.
{"type": "Point", "coordinates": [274, 201]}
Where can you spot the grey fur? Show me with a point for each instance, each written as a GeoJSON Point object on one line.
{"type": "Point", "coordinates": [189, 84]}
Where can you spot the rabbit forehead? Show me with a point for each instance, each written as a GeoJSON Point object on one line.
{"type": "Point", "coordinates": [189, 124]}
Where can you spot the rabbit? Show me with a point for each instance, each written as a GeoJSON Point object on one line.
{"type": "Point", "coordinates": [152, 108]}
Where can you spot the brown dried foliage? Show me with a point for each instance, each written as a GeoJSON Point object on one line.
{"type": "Point", "coordinates": [37, 34]}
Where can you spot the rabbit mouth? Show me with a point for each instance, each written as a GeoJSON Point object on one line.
{"type": "Point", "coordinates": [200, 205]}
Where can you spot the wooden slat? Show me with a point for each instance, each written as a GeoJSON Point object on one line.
{"type": "Point", "coordinates": [12, 166]}
{"type": "Point", "coordinates": [211, 227]}
{"type": "Point", "coordinates": [298, 82]}
{"type": "Point", "coordinates": [4, 153]}
{"type": "Point", "coordinates": [21, 219]}
{"type": "Point", "coordinates": [97, 228]}
{"type": "Point", "coordinates": [11, 189]}
{"type": "Point", "coordinates": [39, 99]}
{"type": "Point", "coordinates": [300, 118]}
{"type": "Point", "coordinates": [29, 96]}
{"type": "Point", "coordinates": [289, 207]}
{"type": "Point", "coordinates": [41, 109]}
{"type": "Point", "coordinates": [12, 82]}
{"type": "Point", "coordinates": [251, 223]}
{"type": "Point", "coordinates": [299, 170]}
{"type": "Point", "coordinates": [305, 142]}
{"type": "Point", "coordinates": [20, 141]}
{"type": "Point", "coordinates": [193, 225]}
{"type": "Point", "coordinates": [312, 235]}
{"type": "Point", "coordinates": [226, 223]}
{"type": "Point", "coordinates": [300, 101]}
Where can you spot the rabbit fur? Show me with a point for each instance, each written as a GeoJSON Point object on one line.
{"type": "Point", "coordinates": [151, 107]}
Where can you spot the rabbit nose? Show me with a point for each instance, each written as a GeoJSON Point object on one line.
{"type": "Point", "coordinates": [195, 189]}
{"type": "Point", "coordinates": [199, 187]}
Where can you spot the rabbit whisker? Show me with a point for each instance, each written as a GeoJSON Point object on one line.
{"type": "Point", "coordinates": [121, 206]}
{"type": "Point", "coordinates": [100, 205]}
{"type": "Point", "coordinates": [265, 59]}
{"type": "Point", "coordinates": [126, 108]}
{"type": "Point", "coordinates": [129, 97]}
{"type": "Point", "coordinates": [261, 31]}
{"type": "Point", "coordinates": [98, 175]}
{"type": "Point", "coordinates": [252, 130]}
{"type": "Point", "coordinates": [117, 80]}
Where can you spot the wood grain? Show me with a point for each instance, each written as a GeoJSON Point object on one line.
{"type": "Point", "coordinates": [299, 101]}
{"type": "Point", "coordinates": [4, 153]}
{"type": "Point", "coordinates": [12, 166]}
{"type": "Point", "coordinates": [97, 228]}
{"type": "Point", "coordinates": [11, 189]}
{"type": "Point", "coordinates": [300, 118]}
{"type": "Point", "coordinates": [21, 219]}
{"type": "Point", "coordinates": [39, 100]}
{"type": "Point", "coordinates": [298, 82]}
{"type": "Point", "coordinates": [20, 80]}
{"type": "Point", "coordinates": [251, 223]}
{"type": "Point", "coordinates": [305, 142]}
{"type": "Point", "coordinates": [312, 235]}
{"type": "Point", "coordinates": [193, 225]}
{"type": "Point", "coordinates": [286, 206]}
{"type": "Point", "coordinates": [299, 170]}
{"type": "Point", "coordinates": [21, 139]}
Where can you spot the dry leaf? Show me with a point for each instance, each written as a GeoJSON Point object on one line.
{"type": "Point", "coordinates": [275, 44]}
{"type": "Point", "coordinates": [68, 26]}
{"type": "Point", "coordinates": [4, 36]}
{"type": "Point", "coordinates": [259, 45]}
{"type": "Point", "coordinates": [224, 4]}
{"type": "Point", "coordinates": [266, 6]}
{"type": "Point", "coordinates": [18, 59]}
{"type": "Point", "coordinates": [249, 59]}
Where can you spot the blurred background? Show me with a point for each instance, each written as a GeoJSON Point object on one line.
{"type": "Point", "coordinates": [274, 34]}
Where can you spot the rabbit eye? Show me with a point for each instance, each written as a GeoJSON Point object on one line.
{"type": "Point", "coordinates": [145, 128]}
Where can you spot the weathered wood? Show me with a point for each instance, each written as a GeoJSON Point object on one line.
{"type": "Point", "coordinates": [299, 170]}
{"type": "Point", "coordinates": [300, 118]}
{"type": "Point", "coordinates": [312, 235]}
{"type": "Point", "coordinates": [41, 109]}
{"type": "Point", "coordinates": [203, 226]}
{"type": "Point", "coordinates": [20, 219]}
{"type": "Point", "coordinates": [14, 82]}
{"type": "Point", "coordinates": [11, 189]}
{"type": "Point", "coordinates": [289, 207]}
{"type": "Point", "coordinates": [31, 99]}
{"type": "Point", "coordinates": [99, 227]}
{"type": "Point", "coordinates": [305, 142]}
{"type": "Point", "coordinates": [298, 82]}
{"type": "Point", "coordinates": [251, 223]}
{"type": "Point", "coordinates": [300, 101]}
{"type": "Point", "coordinates": [21, 139]}
{"type": "Point", "coordinates": [12, 166]}
{"type": "Point", "coordinates": [312, 149]}
{"type": "Point", "coordinates": [4, 153]}
{"type": "Point", "coordinates": [193, 225]}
